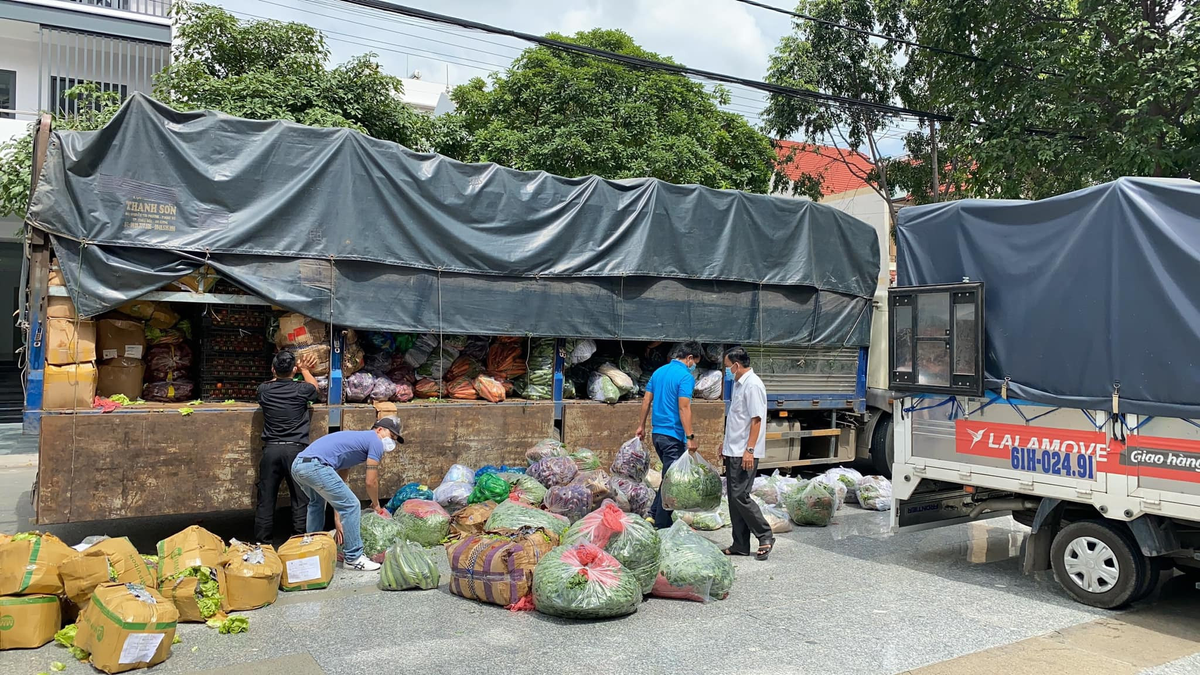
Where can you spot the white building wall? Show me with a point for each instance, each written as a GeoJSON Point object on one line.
{"type": "Point", "coordinates": [20, 53]}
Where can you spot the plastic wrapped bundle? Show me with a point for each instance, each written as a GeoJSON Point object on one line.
{"type": "Point", "coordinates": [602, 389]}
{"type": "Point", "coordinates": [167, 360]}
{"type": "Point", "coordinates": [406, 492]}
{"type": "Point", "coordinates": [453, 495]}
{"type": "Point", "coordinates": [578, 351]}
{"type": "Point", "coordinates": [692, 567]}
{"type": "Point", "coordinates": [404, 392]}
{"type": "Point", "coordinates": [631, 366]}
{"type": "Point", "coordinates": [427, 388]}
{"type": "Point", "coordinates": [422, 521]}
{"type": "Point", "coordinates": [471, 520]}
{"type": "Point", "coordinates": [691, 484]}
{"type": "Point", "coordinates": [776, 517]}
{"type": "Point", "coordinates": [554, 471]}
{"type": "Point", "coordinates": [511, 516]}
{"type": "Point", "coordinates": [383, 389]}
{"type": "Point", "coordinates": [849, 478]}
{"type": "Point", "coordinates": [406, 565]}
{"type": "Point", "coordinates": [459, 473]}
{"type": "Point", "coordinates": [416, 356]}
{"type": "Point", "coordinates": [620, 380]}
{"type": "Point", "coordinates": [401, 372]}
{"type": "Point", "coordinates": [632, 460]}
{"type": "Point", "coordinates": [545, 448]}
{"type": "Point", "coordinates": [875, 493]}
{"type": "Point", "coordinates": [359, 386]}
{"type": "Point", "coordinates": [535, 386]}
{"type": "Point", "coordinates": [767, 488]}
{"type": "Point", "coordinates": [628, 538]}
{"type": "Point", "coordinates": [504, 360]}
{"type": "Point", "coordinates": [837, 487]}
{"type": "Point", "coordinates": [464, 366]}
{"type": "Point", "coordinates": [812, 504]}
{"type": "Point", "coordinates": [487, 468]}
{"type": "Point", "coordinates": [568, 388]}
{"type": "Point", "coordinates": [585, 459]}
{"type": "Point", "coordinates": [378, 362]}
{"type": "Point", "coordinates": [378, 533]}
{"type": "Point", "coordinates": [570, 501]}
{"type": "Point", "coordinates": [489, 487]}
{"type": "Point", "coordinates": [631, 495]}
{"type": "Point", "coordinates": [597, 484]}
{"type": "Point", "coordinates": [705, 521]}
{"type": "Point", "coordinates": [436, 367]}
{"type": "Point", "coordinates": [168, 392]}
{"type": "Point", "coordinates": [710, 385]}
{"type": "Point", "coordinates": [526, 489]}
{"type": "Point", "coordinates": [462, 389]}
{"type": "Point", "coordinates": [584, 582]}
{"type": "Point", "coordinates": [353, 360]}
{"type": "Point", "coordinates": [489, 389]}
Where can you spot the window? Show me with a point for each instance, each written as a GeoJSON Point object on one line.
{"type": "Point", "coordinates": [8, 93]}
{"type": "Point", "coordinates": [936, 339]}
{"type": "Point", "coordinates": [59, 86]}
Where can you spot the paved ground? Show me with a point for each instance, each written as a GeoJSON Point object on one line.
{"type": "Point", "coordinates": [851, 598]}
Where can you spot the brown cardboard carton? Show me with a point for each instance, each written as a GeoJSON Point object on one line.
{"type": "Point", "coordinates": [157, 314]}
{"type": "Point", "coordinates": [69, 387]}
{"type": "Point", "coordinates": [56, 277]}
{"type": "Point", "coordinates": [60, 308]}
{"type": "Point", "coordinates": [28, 621]}
{"type": "Point", "coordinates": [31, 566]}
{"type": "Point", "coordinates": [299, 330]}
{"type": "Point", "coordinates": [120, 339]}
{"type": "Point", "coordinates": [308, 561]}
{"type": "Point", "coordinates": [105, 562]}
{"type": "Point", "coordinates": [70, 341]}
{"type": "Point", "coordinates": [121, 376]}
{"type": "Point", "coordinates": [251, 576]}
{"type": "Point", "coordinates": [193, 547]}
{"type": "Point", "coordinates": [126, 626]}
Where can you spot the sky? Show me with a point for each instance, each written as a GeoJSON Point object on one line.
{"type": "Point", "coordinates": [716, 35]}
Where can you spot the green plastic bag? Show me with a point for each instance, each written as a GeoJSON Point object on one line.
{"type": "Point", "coordinates": [489, 487]}
{"type": "Point", "coordinates": [406, 565]}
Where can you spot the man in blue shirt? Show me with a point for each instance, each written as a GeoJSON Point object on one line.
{"type": "Point", "coordinates": [322, 470]}
{"type": "Point", "coordinates": [669, 395]}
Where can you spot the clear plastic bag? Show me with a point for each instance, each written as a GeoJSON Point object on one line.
{"type": "Point", "coordinates": [692, 567]}
{"type": "Point", "coordinates": [632, 460]}
{"type": "Point", "coordinates": [875, 493]}
{"type": "Point", "coordinates": [631, 496]}
{"type": "Point", "coordinates": [422, 521]}
{"type": "Point", "coordinates": [835, 485]}
{"type": "Point", "coordinates": [406, 565]}
{"type": "Point", "coordinates": [769, 488]}
{"type": "Point", "coordinates": [710, 385]}
{"type": "Point", "coordinates": [848, 477]}
{"type": "Point", "coordinates": [584, 582]}
{"type": "Point", "coordinates": [776, 517]}
{"type": "Point", "coordinates": [406, 492]}
{"type": "Point", "coordinates": [624, 384]}
{"type": "Point", "coordinates": [359, 386]}
{"type": "Point", "coordinates": [526, 489]}
{"type": "Point", "coordinates": [416, 356]}
{"type": "Point", "coordinates": [813, 504]}
{"type": "Point", "coordinates": [705, 521]}
{"type": "Point", "coordinates": [554, 471]}
{"type": "Point", "coordinates": [597, 484]}
{"type": "Point", "coordinates": [691, 484]}
{"type": "Point", "coordinates": [549, 447]}
{"type": "Point", "coordinates": [453, 495]}
{"type": "Point", "coordinates": [570, 501]}
{"type": "Point", "coordinates": [489, 487]}
{"type": "Point", "coordinates": [585, 459]}
{"type": "Point", "coordinates": [602, 389]}
{"type": "Point", "coordinates": [579, 351]}
{"type": "Point", "coordinates": [378, 533]}
{"type": "Point", "coordinates": [628, 538]}
{"type": "Point", "coordinates": [459, 473]}
{"type": "Point", "coordinates": [512, 515]}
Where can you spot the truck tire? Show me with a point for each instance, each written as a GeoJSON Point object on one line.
{"type": "Point", "coordinates": [1154, 572]}
{"type": "Point", "coordinates": [1099, 564]}
{"type": "Point", "coordinates": [883, 446]}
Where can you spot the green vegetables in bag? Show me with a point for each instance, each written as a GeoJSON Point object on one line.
{"type": "Point", "coordinates": [422, 521]}
{"type": "Point", "coordinates": [489, 488]}
{"type": "Point", "coordinates": [629, 538]}
{"type": "Point", "coordinates": [583, 582]}
{"type": "Point", "coordinates": [585, 459]}
{"type": "Point", "coordinates": [378, 533]}
{"type": "Point", "coordinates": [512, 515]}
{"type": "Point", "coordinates": [406, 565]}
{"type": "Point", "coordinates": [692, 567]}
{"type": "Point", "coordinates": [812, 504]}
{"type": "Point", "coordinates": [691, 484]}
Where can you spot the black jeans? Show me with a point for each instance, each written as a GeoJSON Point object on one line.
{"type": "Point", "coordinates": [744, 513]}
{"type": "Point", "coordinates": [669, 450]}
{"type": "Point", "coordinates": [275, 468]}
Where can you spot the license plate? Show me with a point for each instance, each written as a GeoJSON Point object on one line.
{"type": "Point", "coordinates": [1054, 463]}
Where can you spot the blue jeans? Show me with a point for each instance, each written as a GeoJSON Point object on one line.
{"type": "Point", "coordinates": [322, 484]}
{"type": "Point", "coordinates": [669, 450]}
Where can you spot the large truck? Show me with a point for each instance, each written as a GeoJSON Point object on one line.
{"type": "Point", "coordinates": [366, 235]}
{"type": "Point", "coordinates": [1047, 353]}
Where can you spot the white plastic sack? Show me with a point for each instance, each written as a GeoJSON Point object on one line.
{"type": "Point", "coordinates": [849, 478]}
{"type": "Point", "coordinates": [875, 493]}
{"type": "Point", "coordinates": [836, 486]}
{"type": "Point", "coordinates": [459, 473]}
{"type": "Point", "coordinates": [709, 385]}
{"type": "Point", "coordinates": [622, 381]}
{"type": "Point", "coordinates": [453, 495]}
{"type": "Point", "coordinates": [581, 351]}
{"type": "Point", "coordinates": [776, 517]}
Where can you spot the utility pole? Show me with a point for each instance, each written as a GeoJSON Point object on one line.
{"type": "Point", "coordinates": [937, 188]}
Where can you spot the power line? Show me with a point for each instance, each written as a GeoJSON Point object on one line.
{"type": "Point", "coordinates": [337, 4]}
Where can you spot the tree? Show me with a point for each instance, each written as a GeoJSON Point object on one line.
{"type": "Point", "coordinates": [258, 70]}
{"type": "Point", "coordinates": [574, 115]}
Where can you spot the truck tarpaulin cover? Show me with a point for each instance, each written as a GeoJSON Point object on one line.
{"type": "Point", "coordinates": [334, 224]}
{"type": "Point", "coordinates": [1082, 290]}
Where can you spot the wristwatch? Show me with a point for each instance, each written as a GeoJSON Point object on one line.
{"type": "Point", "coordinates": [692, 437]}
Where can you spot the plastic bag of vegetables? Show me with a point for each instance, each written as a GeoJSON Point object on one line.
{"type": "Point", "coordinates": [812, 504]}
{"type": "Point", "coordinates": [489, 389]}
{"type": "Point", "coordinates": [837, 487]}
{"type": "Point", "coordinates": [631, 366]}
{"type": "Point", "coordinates": [416, 356]}
{"type": "Point", "coordinates": [770, 488]}
{"type": "Point", "coordinates": [526, 489]}
{"type": "Point", "coordinates": [875, 493]}
{"type": "Point", "coordinates": [459, 473]}
{"type": "Point", "coordinates": [422, 521]}
{"type": "Point", "coordinates": [691, 484]}
{"type": "Point", "coordinates": [585, 459]}
{"type": "Point", "coordinates": [570, 501]}
{"type": "Point", "coordinates": [776, 517]}
{"type": "Point", "coordinates": [578, 351]}
{"type": "Point", "coordinates": [511, 516]}
{"type": "Point", "coordinates": [554, 471]}
{"type": "Point", "coordinates": [597, 484]}
{"type": "Point", "coordinates": [546, 448]}
{"type": "Point", "coordinates": [632, 460]}
{"type": "Point", "coordinates": [453, 495]}
{"type": "Point", "coordinates": [378, 533]}
{"type": "Point", "coordinates": [602, 389]}
{"type": "Point", "coordinates": [462, 389]}
{"type": "Point", "coordinates": [692, 567]}
{"type": "Point", "coordinates": [709, 385]}
{"type": "Point", "coordinates": [382, 389]}
{"type": "Point", "coordinates": [631, 495]}
{"type": "Point", "coordinates": [628, 538]}
{"type": "Point", "coordinates": [584, 582]}
{"type": "Point", "coordinates": [406, 565]}
{"type": "Point", "coordinates": [489, 487]}
{"type": "Point", "coordinates": [407, 492]}
{"type": "Point", "coordinates": [706, 521]}
{"type": "Point", "coordinates": [427, 388]}
{"type": "Point", "coordinates": [620, 380]}
{"type": "Point", "coordinates": [359, 386]}
{"type": "Point", "coordinates": [464, 366]}
{"type": "Point", "coordinates": [849, 478]}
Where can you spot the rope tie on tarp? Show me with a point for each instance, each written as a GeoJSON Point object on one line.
{"type": "Point", "coordinates": [951, 401]}
{"type": "Point", "coordinates": [1139, 424]}
{"type": "Point", "coordinates": [1029, 420]}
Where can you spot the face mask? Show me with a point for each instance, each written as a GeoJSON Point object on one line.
{"type": "Point", "coordinates": [729, 373]}
{"type": "Point", "coordinates": [389, 445]}
{"type": "Point", "coordinates": [692, 369]}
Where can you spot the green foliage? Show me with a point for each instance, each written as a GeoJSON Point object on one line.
{"type": "Point", "coordinates": [234, 625]}
{"type": "Point", "coordinates": [66, 638]}
{"type": "Point", "coordinates": [208, 591]}
{"type": "Point", "coordinates": [576, 115]}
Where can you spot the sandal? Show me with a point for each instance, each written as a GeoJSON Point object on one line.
{"type": "Point", "coordinates": [764, 551]}
{"type": "Point", "coordinates": [729, 551]}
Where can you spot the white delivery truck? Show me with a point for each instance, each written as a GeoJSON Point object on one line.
{"type": "Point", "coordinates": [1049, 353]}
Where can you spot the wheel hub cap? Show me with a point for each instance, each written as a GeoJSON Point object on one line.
{"type": "Point", "coordinates": [1091, 564]}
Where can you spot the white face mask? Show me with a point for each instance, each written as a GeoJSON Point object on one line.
{"type": "Point", "coordinates": [389, 445]}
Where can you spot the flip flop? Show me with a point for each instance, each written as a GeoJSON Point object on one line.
{"type": "Point", "coordinates": [729, 551]}
{"type": "Point", "coordinates": [764, 551]}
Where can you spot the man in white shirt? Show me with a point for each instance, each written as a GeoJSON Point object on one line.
{"type": "Point", "coordinates": [745, 444]}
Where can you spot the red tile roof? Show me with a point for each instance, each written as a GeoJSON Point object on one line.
{"type": "Point", "coordinates": [825, 161]}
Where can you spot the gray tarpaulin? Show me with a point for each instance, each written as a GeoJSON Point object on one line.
{"type": "Point", "coordinates": [1082, 291]}
{"type": "Point", "coordinates": [337, 225]}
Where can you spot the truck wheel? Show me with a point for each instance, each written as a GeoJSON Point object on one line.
{"type": "Point", "coordinates": [1154, 567]}
{"type": "Point", "coordinates": [883, 447]}
{"type": "Point", "coordinates": [1099, 564]}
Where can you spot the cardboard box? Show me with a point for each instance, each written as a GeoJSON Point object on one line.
{"type": "Point", "coordinates": [108, 561]}
{"type": "Point", "coordinates": [121, 376]}
{"type": "Point", "coordinates": [70, 341]}
{"type": "Point", "coordinates": [31, 566]}
{"type": "Point", "coordinates": [60, 308]}
{"type": "Point", "coordinates": [69, 387]}
{"type": "Point", "coordinates": [127, 627]}
{"type": "Point", "coordinates": [157, 314]}
{"type": "Point", "coordinates": [252, 576]}
{"type": "Point", "coordinates": [56, 277]}
{"type": "Point", "coordinates": [201, 281]}
{"type": "Point", "coordinates": [121, 339]}
{"type": "Point", "coordinates": [28, 621]}
{"type": "Point", "coordinates": [308, 561]}
{"type": "Point", "coordinates": [300, 331]}
{"type": "Point", "coordinates": [193, 547]}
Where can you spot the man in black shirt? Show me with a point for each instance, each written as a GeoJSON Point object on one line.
{"type": "Point", "coordinates": [284, 404]}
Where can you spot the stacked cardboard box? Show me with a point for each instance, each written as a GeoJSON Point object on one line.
{"type": "Point", "coordinates": [70, 344]}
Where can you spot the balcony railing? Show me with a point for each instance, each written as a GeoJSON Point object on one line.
{"type": "Point", "coordinates": [148, 7]}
